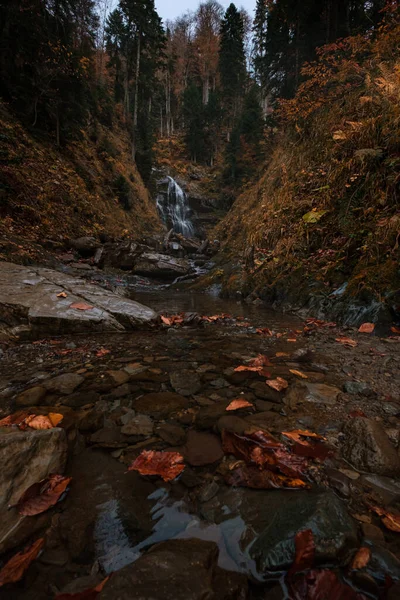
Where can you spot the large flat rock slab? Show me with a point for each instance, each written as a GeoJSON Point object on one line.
{"type": "Point", "coordinates": [31, 297]}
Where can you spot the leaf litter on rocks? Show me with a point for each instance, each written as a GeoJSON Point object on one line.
{"type": "Point", "coordinates": [41, 496]}
{"type": "Point", "coordinates": [277, 384]}
{"type": "Point", "coordinates": [321, 585]}
{"type": "Point", "coordinates": [348, 342]}
{"type": "Point", "coordinates": [361, 559]}
{"type": "Point", "coordinates": [89, 594]}
{"type": "Point", "coordinates": [390, 520]}
{"type": "Point", "coordinates": [166, 464]}
{"type": "Point", "coordinates": [366, 328]}
{"type": "Point", "coordinates": [81, 306]}
{"type": "Point", "coordinates": [239, 403]}
{"type": "Point", "coordinates": [15, 568]}
{"type": "Point", "coordinates": [24, 420]}
{"type": "Point", "coordinates": [308, 444]}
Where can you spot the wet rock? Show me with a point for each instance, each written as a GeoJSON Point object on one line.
{"type": "Point", "coordinates": [81, 399]}
{"type": "Point", "coordinates": [172, 434]}
{"type": "Point", "coordinates": [208, 491]}
{"type": "Point", "coordinates": [232, 423]}
{"type": "Point", "coordinates": [263, 405]}
{"type": "Point", "coordinates": [318, 393]}
{"type": "Point", "coordinates": [64, 384]}
{"type": "Point", "coordinates": [31, 397]}
{"type": "Point", "coordinates": [208, 416]}
{"type": "Point", "coordinates": [383, 563]}
{"type": "Point", "coordinates": [356, 387]}
{"type": "Point", "coordinates": [303, 355]}
{"type": "Point", "coordinates": [160, 405]}
{"type": "Point", "coordinates": [140, 425]}
{"type": "Point", "coordinates": [373, 534]}
{"type": "Point", "coordinates": [264, 392]}
{"type": "Point", "coordinates": [265, 420]}
{"type": "Point", "coordinates": [202, 449]}
{"type": "Point", "coordinates": [186, 383]}
{"type": "Point", "coordinates": [368, 448]}
{"type": "Point", "coordinates": [109, 437]}
{"type": "Point", "coordinates": [176, 570]}
{"type": "Point", "coordinates": [86, 246]}
{"type": "Point", "coordinates": [90, 421]}
{"type": "Point", "coordinates": [118, 377]}
{"type": "Point", "coordinates": [26, 457]}
{"type": "Point", "coordinates": [152, 264]}
{"type": "Point", "coordinates": [219, 383]}
{"type": "Point", "coordinates": [394, 592]}
{"type": "Point", "coordinates": [122, 255]}
{"type": "Point", "coordinates": [387, 488]}
{"type": "Point", "coordinates": [265, 524]}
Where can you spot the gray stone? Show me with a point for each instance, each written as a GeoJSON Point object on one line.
{"type": "Point", "coordinates": [160, 404]}
{"type": "Point", "coordinates": [320, 393]}
{"type": "Point", "coordinates": [79, 399]}
{"type": "Point", "coordinates": [152, 264]}
{"type": "Point", "coordinates": [86, 246]}
{"type": "Point", "coordinates": [140, 425]}
{"type": "Point", "coordinates": [64, 384]}
{"type": "Point", "coordinates": [265, 525]}
{"type": "Point", "coordinates": [186, 383]}
{"type": "Point", "coordinates": [172, 434]}
{"type": "Point", "coordinates": [31, 397]}
{"type": "Point", "coordinates": [26, 457]}
{"type": "Point", "coordinates": [356, 387]}
{"type": "Point", "coordinates": [176, 570]}
{"type": "Point", "coordinates": [264, 392]}
{"type": "Point", "coordinates": [368, 448]}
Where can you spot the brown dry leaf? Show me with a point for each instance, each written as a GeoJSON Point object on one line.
{"type": "Point", "coordinates": [390, 520]}
{"type": "Point", "coordinates": [260, 361]}
{"type": "Point", "coordinates": [81, 306]}
{"type": "Point", "coordinates": [395, 330]}
{"type": "Point", "coordinates": [298, 373]}
{"type": "Point", "coordinates": [102, 352]}
{"type": "Point", "coordinates": [321, 585]}
{"type": "Point", "coordinates": [172, 320]}
{"type": "Point", "coordinates": [291, 340]}
{"type": "Point", "coordinates": [89, 594]}
{"type": "Point", "coordinates": [264, 331]}
{"type": "Point", "coordinates": [41, 496]}
{"type": "Point", "coordinates": [366, 328]}
{"type": "Point", "coordinates": [281, 354]}
{"type": "Point", "coordinates": [62, 295]}
{"type": "Point", "coordinates": [166, 464]}
{"type": "Point", "coordinates": [361, 558]}
{"type": "Point", "coordinates": [43, 421]}
{"type": "Point", "coordinates": [252, 477]}
{"type": "Point", "coordinates": [260, 370]}
{"type": "Point", "coordinates": [17, 419]}
{"type": "Point", "coordinates": [239, 403]}
{"type": "Point", "coordinates": [277, 384]}
{"type": "Point", "coordinates": [15, 568]}
{"type": "Point", "coordinates": [347, 342]}
{"type": "Point", "coordinates": [311, 447]}
{"type": "Point", "coordinates": [305, 552]}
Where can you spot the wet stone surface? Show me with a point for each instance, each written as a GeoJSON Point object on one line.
{"type": "Point", "coordinates": [168, 389]}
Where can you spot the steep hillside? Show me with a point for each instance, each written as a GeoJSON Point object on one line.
{"type": "Point", "coordinates": [92, 186]}
{"type": "Point", "coordinates": [325, 214]}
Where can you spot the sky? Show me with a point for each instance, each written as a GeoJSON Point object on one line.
{"type": "Point", "coordinates": [170, 9]}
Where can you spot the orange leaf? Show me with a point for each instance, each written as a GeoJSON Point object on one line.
{"type": "Point", "coordinates": [281, 354]}
{"type": "Point", "coordinates": [102, 352]}
{"type": "Point", "coordinates": [366, 328]}
{"type": "Point", "coordinates": [15, 568]}
{"type": "Point", "coordinates": [17, 418]}
{"type": "Point", "coordinates": [305, 552]}
{"type": "Point", "coordinates": [239, 403]}
{"type": "Point", "coordinates": [347, 342]}
{"type": "Point", "coordinates": [291, 340]}
{"type": "Point", "coordinates": [166, 320]}
{"type": "Point", "coordinates": [395, 330]}
{"type": "Point", "coordinates": [62, 295]}
{"type": "Point", "coordinates": [277, 384]}
{"type": "Point", "coordinates": [81, 306]}
{"type": "Point", "coordinates": [298, 434]}
{"type": "Point", "coordinates": [43, 421]}
{"type": "Point", "coordinates": [89, 594]}
{"type": "Point", "coordinates": [361, 558]}
{"type": "Point", "coordinates": [298, 373]}
{"type": "Point", "coordinates": [41, 496]}
{"type": "Point", "coordinates": [264, 331]}
{"type": "Point", "coordinates": [167, 464]}
{"type": "Point", "coordinates": [260, 361]}
{"type": "Point", "coordinates": [390, 520]}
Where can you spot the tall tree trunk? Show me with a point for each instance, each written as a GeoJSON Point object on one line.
{"type": "Point", "coordinates": [136, 99]}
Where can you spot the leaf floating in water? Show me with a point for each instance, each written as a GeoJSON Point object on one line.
{"type": "Point", "coordinates": [347, 342]}
{"type": "Point", "coordinates": [366, 328]}
{"type": "Point", "coordinates": [389, 519]}
{"type": "Point", "coordinates": [239, 403]}
{"type": "Point", "coordinates": [305, 552]}
{"type": "Point", "coordinates": [253, 477]}
{"type": "Point", "coordinates": [278, 384]}
{"type": "Point", "coordinates": [15, 568]}
{"type": "Point", "coordinates": [361, 558]}
{"type": "Point", "coordinates": [321, 585]}
{"type": "Point", "coordinates": [41, 496]}
{"type": "Point", "coordinates": [311, 447]}
{"type": "Point", "coordinates": [81, 306]}
{"type": "Point", "coordinates": [166, 464]}
{"type": "Point", "coordinates": [90, 594]}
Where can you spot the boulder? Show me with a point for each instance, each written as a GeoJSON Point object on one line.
{"type": "Point", "coordinates": [41, 302]}
{"type": "Point", "coordinates": [202, 449]}
{"type": "Point", "coordinates": [122, 255]}
{"type": "Point", "coordinates": [186, 383]}
{"type": "Point", "coordinates": [63, 384]}
{"type": "Point", "coordinates": [160, 404]}
{"type": "Point", "coordinates": [31, 396]}
{"type": "Point", "coordinates": [176, 570]}
{"type": "Point", "coordinates": [26, 457]}
{"type": "Point", "coordinates": [172, 434]}
{"type": "Point", "coordinates": [86, 246]}
{"type": "Point", "coordinates": [265, 524]}
{"type": "Point", "coordinates": [139, 425]}
{"type": "Point", "coordinates": [152, 264]}
{"type": "Point", "coordinates": [368, 448]}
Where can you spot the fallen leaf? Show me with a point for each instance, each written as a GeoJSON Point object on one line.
{"type": "Point", "coordinates": [44, 421]}
{"type": "Point", "coordinates": [277, 384]}
{"type": "Point", "coordinates": [62, 295]}
{"type": "Point", "coordinates": [81, 306]}
{"type": "Point", "coordinates": [366, 328]}
{"type": "Point", "coordinates": [395, 330]}
{"type": "Point", "coordinates": [102, 352]}
{"type": "Point", "coordinates": [357, 413]}
{"type": "Point", "coordinates": [252, 477]}
{"type": "Point", "coordinates": [239, 403]}
{"type": "Point", "coordinates": [361, 558]}
{"type": "Point", "coordinates": [166, 464]}
{"type": "Point", "coordinates": [389, 519]}
{"type": "Point", "coordinates": [260, 370]}
{"type": "Point", "coordinates": [291, 340]}
{"type": "Point", "coordinates": [298, 373]}
{"type": "Point", "coordinates": [314, 215]}
{"type": "Point", "coordinates": [15, 568]}
{"type": "Point", "coordinates": [17, 419]}
{"type": "Point", "coordinates": [172, 320]}
{"type": "Point", "coordinates": [305, 552]}
{"type": "Point", "coordinates": [89, 594]}
{"type": "Point", "coordinates": [281, 354]}
{"type": "Point", "coordinates": [311, 447]}
{"type": "Point", "coordinates": [260, 361]}
{"type": "Point", "coordinates": [319, 322]}
{"type": "Point", "coordinates": [41, 496]}
{"type": "Point", "coordinates": [264, 331]}
{"type": "Point", "coordinates": [347, 342]}
{"type": "Point", "coordinates": [321, 585]}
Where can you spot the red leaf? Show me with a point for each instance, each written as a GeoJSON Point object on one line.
{"type": "Point", "coordinates": [366, 328]}
{"type": "Point", "coordinates": [311, 448]}
{"type": "Point", "coordinates": [252, 477]}
{"type": "Point", "coordinates": [239, 403]}
{"type": "Point", "coordinates": [322, 585]}
{"type": "Point", "coordinates": [167, 464]}
{"type": "Point", "coordinates": [15, 568]}
{"type": "Point", "coordinates": [395, 330]}
{"type": "Point", "coordinates": [361, 558]}
{"type": "Point", "coordinates": [389, 519]}
{"type": "Point", "coordinates": [17, 418]}
{"type": "Point", "coordinates": [260, 361]}
{"type": "Point", "coordinates": [305, 552]}
{"type": "Point", "coordinates": [89, 594]}
{"type": "Point", "coordinates": [81, 306]}
{"type": "Point", "coordinates": [41, 496]}
{"type": "Point", "coordinates": [102, 352]}
{"type": "Point", "coordinates": [23, 420]}
{"type": "Point", "coordinates": [357, 413]}
{"type": "Point", "coordinates": [277, 384]}
{"type": "Point", "coordinates": [264, 331]}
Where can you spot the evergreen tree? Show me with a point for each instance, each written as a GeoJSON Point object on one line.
{"type": "Point", "coordinates": [232, 61]}
{"type": "Point", "coordinates": [193, 114]}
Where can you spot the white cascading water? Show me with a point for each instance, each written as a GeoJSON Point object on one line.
{"type": "Point", "coordinates": [174, 209]}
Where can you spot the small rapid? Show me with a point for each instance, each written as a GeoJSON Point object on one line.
{"type": "Point", "coordinates": [174, 209]}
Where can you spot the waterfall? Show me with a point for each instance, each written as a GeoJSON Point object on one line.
{"type": "Point", "coordinates": [174, 209]}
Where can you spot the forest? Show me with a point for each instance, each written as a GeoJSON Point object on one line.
{"type": "Point", "coordinates": [199, 300]}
